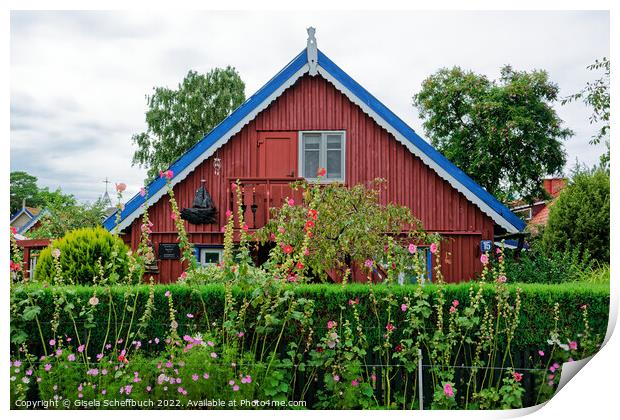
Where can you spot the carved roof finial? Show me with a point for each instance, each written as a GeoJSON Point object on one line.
{"type": "Point", "coordinates": [311, 51]}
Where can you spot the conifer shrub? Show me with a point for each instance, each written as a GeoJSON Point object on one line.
{"type": "Point", "coordinates": [84, 256]}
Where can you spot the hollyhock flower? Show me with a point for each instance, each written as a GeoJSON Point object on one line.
{"type": "Point", "coordinates": [403, 307]}
{"type": "Point", "coordinates": [245, 227]}
{"type": "Point", "coordinates": [498, 251]}
{"type": "Point", "coordinates": [321, 172]}
{"type": "Point", "coordinates": [205, 375]}
{"type": "Point", "coordinates": [167, 294]}
{"type": "Point", "coordinates": [210, 343]}
{"type": "Point", "coordinates": [455, 303]}
{"type": "Point", "coordinates": [299, 265]}
{"type": "Point", "coordinates": [104, 372]}
{"type": "Point", "coordinates": [214, 355]}
{"type": "Point", "coordinates": [390, 327]}
{"type": "Point", "coordinates": [552, 369]}
{"type": "Point", "coordinates": [281, 229]}
{"type": "Point", "coordinates": [541, 353]}
{"type": "Point", "coordinates": [13, 230]}
{"type": "Point", "coordinates": [287, 249]}
{"type": "Point", "coordinates": [142, 191]}
{"type": "Point", "coordinates": [195, 377]}
{"type": "Point", "coordinates": [448, 391]}
{"type": "Point", "coordinates": [312, 214]}
{"type": "Point", "coordinates": [501, 279]}
{"type": "Point", "coordinates": [228, 213]}
{"type": "Point", "coordinates": [173, 216]}
{"type": "Point", "coordinates": [517, 376]}
{"type": "Point", "coordinates": [247, 379]}
{"type": "Point", "coordinates": [235, 388]}
{"type": "Point", "coordinates": [108, 346]}
{"type": "Point", "coordinates": [52, 342]}
{"type": "Point", "coordinates": [373, 377]}
{"type": "Point", "coordinates": [336, 378]}
{"type": "Point", "coordinates": [56, 253]}
{"type": "Point", "coordinates": [452, 309]}
{"type": "Point", "coordinates": [354, 382]}
{"type": "Point", "coordinates": [500, 258]}
{"type": "Point", "coordinates": [572, 345]}
{"type": "Point", "coordinates": [398, 348]}
{"type": "Point", "coordinates": [240, 334]}
{"type": "Point", "coordinates": [17, 363]}
{"type": "Point", "coordinates": [433, 248]}
{"type": "Point", "coordinates": [190, 316]}
{"type": "Point", "coordinates": [369, 263]}
{"type": "Point", "coordinates": [354, 302]}
{"type": "Point", "coordinates": [291, 202]}
{"type": "Point", "coordinates": [80, 348]}
{"type": "Point", "coordinates": [93, 301]}
{"type": "Point", "coordinates": [169, 174]}
{"type": "Point", "coordinates": [412, 248]}
{"type": "Point", "coordinates": [121, 186]}
{"type": "Point", "coordinates": [484, 259]}
{"type": "Point", "coordinates": [183, 275]}
{"type": "Point", "coordinates": [309, 224]}
{"type": "Point", "coordinates": [29, 372]}
{"type": "Point", "coordinates": [99, 356]}
{"type": "Point", "coordinates": [272, 236]}
{"type": "Point", "coordinates": [331, 324]}
{"type": "Point", "coordinates": [47, 367]}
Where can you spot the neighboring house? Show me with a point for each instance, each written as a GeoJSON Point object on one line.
{"type": "Point", "coordinates": [312, 114]}
{"type": "Point", "coordinates": [536, 214]}
{"type": "Point", "coordinates": [29, 218]}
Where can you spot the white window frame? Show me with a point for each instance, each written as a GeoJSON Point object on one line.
{"type": "Point", "coordinates": [209, 249]}
{"type": "Point", "coordinates": [323, 154]}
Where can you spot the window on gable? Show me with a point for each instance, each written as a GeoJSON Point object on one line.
{"type": "Point", "coordinates": [322, 150]}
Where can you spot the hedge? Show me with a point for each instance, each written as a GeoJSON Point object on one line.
{"type": "Point", "coordinates": [206, 304]}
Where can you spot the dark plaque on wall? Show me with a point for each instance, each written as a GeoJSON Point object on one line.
{"type": "Point", "coordinates": [169, 252]}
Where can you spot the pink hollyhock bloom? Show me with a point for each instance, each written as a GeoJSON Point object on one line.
{"type": "Point", "coordinates": [291, 202]}
{"type": "Point", "coordinates": [287, 249]}
{"type": "Point", "coordinates": [205, 375]}
{"type": "Point", "coordinates": [190, 316]}
{"type": "Point", "coordinates": [167, 294]}
{"type": "Point", "coordinates": [195, 377]}
{"type": "Point", "coordinates": [484, 259]}
{"type": "Point", "coordinates": [142, 191]}
{"type": "Point", "coordinates": [183, 275]}
{"type": "Point", "coordinates": [517, 376]}
{"type": "Point", "coordinates": [390, 327]}
{"type": "Point", "coordinates": [228, 213]}
{"type": "Point", "coordinates": [80, 348]}
{"type": "Point", "coordinates": [214, 355]}
{"type": "Point", "coordinates": [369, 263]}
{"type": "Point", "coordinates": [403, 307]}
{"type": "Point", "coordinates": [121, 186]}
{"type": "Point", "coordinates": [501, 279]}
{"type": "Point", "coordinates": [235, 388]}
{"type": "Point", "coordinates": [47, 367]}
{"type": "Point", "coordinates": [572, 345]}
{"type": "Point", "coordinates": [336, 378]}
{"type": "Point", "coordinates": [231, 382]}
{"type": "Point", "coordinates": [13, 230]}
{"type": "Point", "coordinates": [56, 253]}
{"type": "Point", "coordinates": [281, 230]}
{"type": "Point", "coordinates": [455, 303]}
{"type": "Point", "coordinates": [240, 334]}
{"type": "Point", "coordinates": [452, 309]}
{"type": "Point", "coordinates": [29, 372]}
{"type": "Point", "coordinates": [433, 248]}
{"type": "Point", "coordinates": [541, 353]}
{"type": "Point", "coordinates": [93, 301]}
{"type": "Point", "coordinates": [272, 237]}
{"type": "Point", "coordinates": [17, 363]}
{"type": "Point", "coordinates": [331, 324]}
{"type": "Point", "coordinates": [498, 251]}
{"type": "Point", "coordinates": [173, 216]}
{"type": "Point", "coordinates": [169, 174]}
{"type": "Point", "coordinates": [99, 356]}
{"type": "Point", "coordinates": [210, 343]}
{"type": "Point", "coordinates": [245, 227]}
{"type": "Point", "coordinates": [412, 248]}
{"type": "Point", "coordinates": [52, 342]}
{"type": "Point", "coordinates": [448, 391]}
{"type": "Point", "coordinates": [354, 382]}
{"type": "Point", "coordinates": [552, 369]}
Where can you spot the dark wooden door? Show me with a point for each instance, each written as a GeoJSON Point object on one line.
{"type": "Point", "coordinates": [277, 154]}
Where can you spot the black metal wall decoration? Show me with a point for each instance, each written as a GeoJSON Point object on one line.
{"type": "Point", "coordinates": [203, 210]}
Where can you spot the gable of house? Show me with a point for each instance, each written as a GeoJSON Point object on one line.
{"type": "Point", "coordinates": [370, 106]}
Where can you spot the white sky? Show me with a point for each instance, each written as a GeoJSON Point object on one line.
{"type": "Point", "coordinates": [79, 79]}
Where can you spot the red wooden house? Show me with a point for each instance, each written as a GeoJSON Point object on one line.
{"type": "Point", "coordinates": [309, 115]}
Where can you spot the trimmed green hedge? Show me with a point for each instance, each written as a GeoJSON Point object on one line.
{"type": "Point", "coordinates": [206, 304]}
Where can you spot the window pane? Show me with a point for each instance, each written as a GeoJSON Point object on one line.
{"type": "Point", "coordinates": [209, 256]}
{"type": "Point", "coordinates": [312, 141]}
{"type": "Point", "coordinates": [334, 164]}
{"type": "Point", "coordinates": [334, 141]}
{"type": "Point", "coordinates": [311, 163]}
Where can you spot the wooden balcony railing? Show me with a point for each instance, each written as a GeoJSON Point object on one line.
{"type": "Point", "coordinates": [261, 194]}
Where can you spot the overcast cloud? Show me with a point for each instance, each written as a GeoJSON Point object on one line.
{"type": "Point", "coordinates": [79, 79]}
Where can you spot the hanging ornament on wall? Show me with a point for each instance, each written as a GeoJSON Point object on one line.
{"type": "Point", "coordinates": [217, 165]}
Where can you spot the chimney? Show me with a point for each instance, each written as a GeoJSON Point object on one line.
{"type": "Point", "coordinates": [23, 203]}
{"type": "Point", "coordinates": [553, 186]}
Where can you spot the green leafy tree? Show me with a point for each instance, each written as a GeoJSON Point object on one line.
{"type": "Point", "coordinates": [596, 95]}
{"type": "Point", "coordinates": [580, 216]}
{"type": "Point", "coordinates": [504, 134]}
{"type": "Point", "coordinates": [63, 217]}
{"type": "Point", "coordinates": [23, 187]}
{"type": "Point", "coordinates": [178, 119]}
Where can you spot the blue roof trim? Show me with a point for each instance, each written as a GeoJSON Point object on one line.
{"type": "Point", "coordinates": [20, 212]}
{"type": "Point", "coordinates": [414, 138]}
{"type": "Point", "coordinates": [369, 100]}
{"type": "Point", "coordinates": [32, 221]}
{"type": "Point", "coordinates": [214, 135]}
